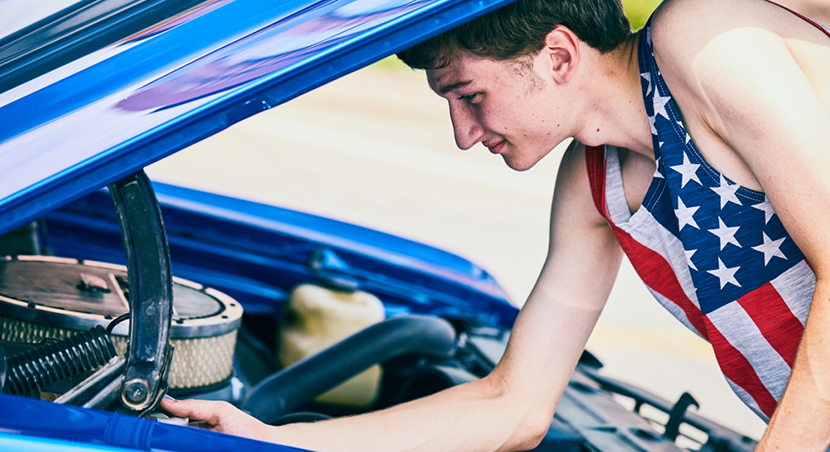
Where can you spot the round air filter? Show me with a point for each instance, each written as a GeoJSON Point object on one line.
{"type": "Point", "coordinates": [48, 297]}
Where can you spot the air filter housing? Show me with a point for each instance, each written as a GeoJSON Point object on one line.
{"type": "Point", "coordinates": [48, 297]}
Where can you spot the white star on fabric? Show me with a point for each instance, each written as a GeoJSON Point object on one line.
{"type": "Point", "coordinates": [660, 104]}
{"type": "Point", "coordinates": [726, 235]}
{"type": "Point", "coordinates": [770, 248]}
{"type": "Point", "coordinates": [726, 191]}
{"type": "Point", "coordinates": [652, 121]}
{"type": "Point", "coordinates": [657, 173]}
{"type": "Point", "coordinates": [688, 170]}
{"type": "Point", "coordinates": [766, 207]}
{"type": "Point", "coordinates": [689, 254]}
{"type": "Point", "coordinates": [683, 128]}
{"type": "Point", "coordinates": [685, 215]}
{"type": "Point", "coordinates": [647, 76]}
{"type": "Point", "coordinates": [725, 275]}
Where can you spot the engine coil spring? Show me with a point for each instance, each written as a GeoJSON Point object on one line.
{"type": "Point", "coordinates": [53, 361]}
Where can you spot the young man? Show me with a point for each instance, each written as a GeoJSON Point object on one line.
{"type": "Point", "coordinates": [702, 151]}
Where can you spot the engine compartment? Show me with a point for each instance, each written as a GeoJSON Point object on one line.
{"type": "Point", "coordinates": [446, 321]}
{"type": "Point", "coordinates": [44, 299]}
{"type": "Point", "coordinates": [63, 319]}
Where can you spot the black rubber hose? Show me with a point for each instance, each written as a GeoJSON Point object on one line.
{"type": "Point", "coordinates": [289, 388]}
{"type": "Point", "coordinates": [55, 360]}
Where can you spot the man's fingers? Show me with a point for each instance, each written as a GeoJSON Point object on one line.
{"type": "Point", "coordinates": [201, 410]}
{"type": "Point", "coordinates": [218, 416]}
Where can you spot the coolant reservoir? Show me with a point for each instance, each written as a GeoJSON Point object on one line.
{"type": "Point", "coordinates": [320, 317]}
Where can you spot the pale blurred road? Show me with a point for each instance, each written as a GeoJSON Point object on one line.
{"type": "Point", "coordinates": [376, 149]}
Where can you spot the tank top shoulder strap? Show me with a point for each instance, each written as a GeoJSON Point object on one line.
{"type": "Point", "coordinates": [595, 162]}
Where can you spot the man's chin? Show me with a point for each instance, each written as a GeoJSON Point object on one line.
{"type": "Point", "coordinates": [518, 164]}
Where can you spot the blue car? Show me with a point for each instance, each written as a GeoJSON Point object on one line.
{"type": "Point", "coordinates": [115, 291]}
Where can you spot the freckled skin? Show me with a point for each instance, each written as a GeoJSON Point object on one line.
{"type": "Point", "coordinates": [517, 103]}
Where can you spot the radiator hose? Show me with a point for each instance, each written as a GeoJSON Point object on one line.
{"type": "Point", "coordinates": [287, 389]}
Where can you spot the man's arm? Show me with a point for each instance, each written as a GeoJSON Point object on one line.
{"type": "Point", "coordinates": [767, 99]}
{"type": "Point", "coordinates": [787, 149]}
{"type": "Point", "coordinates": [511, 408]}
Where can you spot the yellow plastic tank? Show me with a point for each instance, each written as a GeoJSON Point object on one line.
{"type": "Point", "coordinates": [319, 317]}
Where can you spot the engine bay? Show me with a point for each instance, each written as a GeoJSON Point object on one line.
{"type": "Point", "coordinates": [63, 319]}
{"type": "Point", "coordinates": [300, 330]}
{"type": "Point", "coordinates": [118, 338]}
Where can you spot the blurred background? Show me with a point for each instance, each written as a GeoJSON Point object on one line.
{"type": "Point", "coordinates": [376, 148]}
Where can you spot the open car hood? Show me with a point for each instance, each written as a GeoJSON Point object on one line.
{"type": "Point", "coordinates": [110, 112]}
{"type": "Point", "coordinates": [249, 250]}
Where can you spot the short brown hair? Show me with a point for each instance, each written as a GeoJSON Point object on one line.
{"type": "Point", "coordinates": [519, 30]}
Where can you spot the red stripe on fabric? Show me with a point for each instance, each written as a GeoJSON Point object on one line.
{"type": "Point", "coordinates": [595, 161]}
{"type": "Point", "coordinates": [736, 368]}
{"type": "Point", "coordinates": [777, 323]}
{"type": "Point", "coordinates": [658, 274]}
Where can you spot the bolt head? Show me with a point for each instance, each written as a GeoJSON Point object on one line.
{"type": "Point", "coordinates": [136, 391]}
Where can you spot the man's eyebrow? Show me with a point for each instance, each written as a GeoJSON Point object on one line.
{"type": "Point", "coordinates": [453, 87]}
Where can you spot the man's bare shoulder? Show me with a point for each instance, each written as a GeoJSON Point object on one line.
{"type": "Point", "coordinates": [739, 67]}
{"type": "Point", "coordinates": [691, 37]}
{"type": "Point", "coordinates": [681, 29]}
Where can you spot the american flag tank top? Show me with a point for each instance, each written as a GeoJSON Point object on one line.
{"type": "Point", "coordinates": [713, 253]}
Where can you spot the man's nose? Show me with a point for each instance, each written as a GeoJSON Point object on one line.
{"type": "Point", "coordinates": [468, 130]}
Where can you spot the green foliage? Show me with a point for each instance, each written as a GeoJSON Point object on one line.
{"type": "Point", "coordinates": [391, 63]}
{"type": "Point", "coordinates": [638, 11]}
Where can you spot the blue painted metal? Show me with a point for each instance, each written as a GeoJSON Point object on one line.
{"type": "Point", "coordinates": [257, 253]}
{"type": "Point", "coordinates": [35, 425]}
{"type": "Point", "coordinates": [18, 444]}
{"type": "Point", "coordinates": [105, 116]}
{"type": "Point", "coordinates": [95, 120]}
{"type": "Point", "coordinates": [73, 32]}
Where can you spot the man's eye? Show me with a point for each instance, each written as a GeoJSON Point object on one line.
{"type": "Point", "coordinates": [469, 98]}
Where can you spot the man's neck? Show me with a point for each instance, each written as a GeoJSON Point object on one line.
{"type": "Point", "coordinates": [611, 96]}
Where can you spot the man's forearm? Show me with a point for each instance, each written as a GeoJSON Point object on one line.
{"type": "Point", "coordinates": [802, 419]}
{"type": "Point", "coordinates": [475, 416]}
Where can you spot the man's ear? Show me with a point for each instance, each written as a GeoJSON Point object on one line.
{"type": "Point", "coordinates": [562, 48]}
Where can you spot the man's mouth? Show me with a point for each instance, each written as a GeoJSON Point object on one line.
{"type": "Point", "coordinates": [496, 148]}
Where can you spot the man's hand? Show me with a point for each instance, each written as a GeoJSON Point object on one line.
{"type": "Point", "coordinates": [219, 417]}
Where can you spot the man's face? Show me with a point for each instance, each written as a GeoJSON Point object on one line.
{"type": "Point", "coordinates": [505, 105]}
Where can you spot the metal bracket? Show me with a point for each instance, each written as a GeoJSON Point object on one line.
{"type": "Point", "coordinates": [677, 415]}
{"type": "Point", "coordinates": [151, 292]}
{"type": "Point", "coordinates": [100, 390]}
